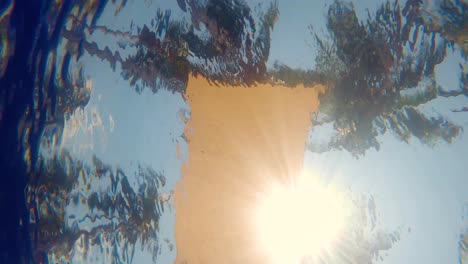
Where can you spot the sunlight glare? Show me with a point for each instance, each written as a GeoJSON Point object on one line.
{"type": "Point", "coordinates": [295, 222]}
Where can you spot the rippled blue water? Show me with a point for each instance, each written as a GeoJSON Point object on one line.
{"type": "Point", "coordinates": [92, 117]}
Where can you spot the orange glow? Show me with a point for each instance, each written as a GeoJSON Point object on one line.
{"type": "Point", "coordinates": [240, 140]}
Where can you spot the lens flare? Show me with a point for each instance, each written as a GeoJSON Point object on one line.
{"type": "Point", "coordinates": [299, 221]}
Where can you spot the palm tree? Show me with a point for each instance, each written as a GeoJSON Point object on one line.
{"type": "Point", "coordinates": [380, 63]}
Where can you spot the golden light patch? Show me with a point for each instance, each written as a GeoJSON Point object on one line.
{"type": "Point", "coordinates": [239, 141]}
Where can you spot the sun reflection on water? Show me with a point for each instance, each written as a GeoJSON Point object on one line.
{"type": "Point", "coordinates": [300, 220]}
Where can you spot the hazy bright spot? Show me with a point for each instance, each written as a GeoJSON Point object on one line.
{"type": "Point", "coordinates": [299, 221]}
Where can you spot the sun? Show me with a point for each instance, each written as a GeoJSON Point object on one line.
{"type": "Point", "coordinates": [299, 221]}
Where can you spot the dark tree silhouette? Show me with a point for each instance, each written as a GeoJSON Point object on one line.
{"type": "Point", "coordinates": [34, 91]}
{"type": "Point", "coordinates": [234, 51]}
{"type": "Point", "coordinates": [372, 68]}
{"type": "Point", "coordinates": [448, 17]}
{"type": "Point", "coordinates": [285, 75]}
{"type": "Point", "coordinates": [239, 44]}
{"type": "Point", "coordinates": [64, 194]}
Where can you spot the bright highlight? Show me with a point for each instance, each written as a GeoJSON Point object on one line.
{"type": "Point", "coordinates": [300, 221]}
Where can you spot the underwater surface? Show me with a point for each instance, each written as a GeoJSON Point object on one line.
{"type": "Point", "coordinates": [233, 131]}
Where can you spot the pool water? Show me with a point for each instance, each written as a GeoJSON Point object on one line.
{"type": "Point", "coordinates": [233, 131]}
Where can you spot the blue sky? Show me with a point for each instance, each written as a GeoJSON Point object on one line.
{"type": "Point", "coordinates": [414, 186]}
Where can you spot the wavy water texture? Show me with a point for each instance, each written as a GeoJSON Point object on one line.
{"type": "Point", "coordinates": [463, 244]}
{"type": "Point", "coordinates": [363, 240]}
{"type": "Point", "coordinates": [80, 212]}
{"type": "Point", "coordinates": [247, 124]}
{"type": "Point", "coordinates": [58, 235]}
{"type": "Point", "coordinates": [370, 65]}
{"type": "Point", "coordinates": [235, 152]}
{"type": "Point", "coordinates": [235, 50]}
{"type": "Point", "coordinates": [7, 37]}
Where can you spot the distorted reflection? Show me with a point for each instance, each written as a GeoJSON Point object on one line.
{"type": "Point", "coordinates": [233, 131]}
{"type": "Point", "coordinates": [310, 219]}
